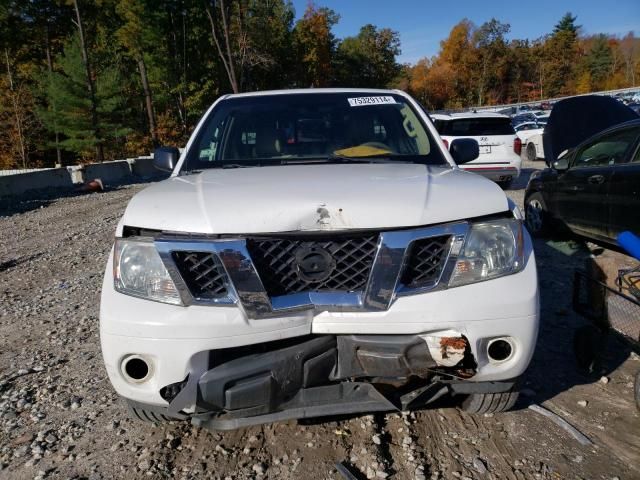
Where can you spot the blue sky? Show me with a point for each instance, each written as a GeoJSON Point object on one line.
{"type": "Point", "coordinates": [423, 23]}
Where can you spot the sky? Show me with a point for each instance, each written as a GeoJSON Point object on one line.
{"type": "Point", "coordinates": [423, 23]}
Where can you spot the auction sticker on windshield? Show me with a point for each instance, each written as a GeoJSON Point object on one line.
{"type": "Point", "coordinates": [362, 101]}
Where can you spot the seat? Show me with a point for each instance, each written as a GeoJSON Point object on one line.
{"type": "Point", "coordinates": [267, 142]}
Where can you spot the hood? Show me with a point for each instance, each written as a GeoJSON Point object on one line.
{"type": "Point", "coordinates": [574, 120]}
{"type": "Point", "coordinates": [313, 198]}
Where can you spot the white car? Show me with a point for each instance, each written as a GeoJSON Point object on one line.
{"type": "Point", "coordinates": [500, 147]}
{"type": "Point", "coordinates": [530, 134]}
{"type": "Point", "coordinates": [317, 252]}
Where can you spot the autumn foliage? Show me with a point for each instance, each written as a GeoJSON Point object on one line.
{"type": "Point", "coordinates": [87, 80]}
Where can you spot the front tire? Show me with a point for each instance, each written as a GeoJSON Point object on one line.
{"type": "Point", "coordinates": [478, 403]}
{"type": "Point", "coordinates": [536, 215]}
{"type": "Point", "coordinates": [532, 155]}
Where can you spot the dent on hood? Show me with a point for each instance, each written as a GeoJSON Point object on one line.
{"type": "Point", "coordinates": [326, 218]}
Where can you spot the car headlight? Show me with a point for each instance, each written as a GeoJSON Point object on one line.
{"type": "Point", "coordinates": [492, 249]}
{"type": "Point", "coordinates": [139, 271]}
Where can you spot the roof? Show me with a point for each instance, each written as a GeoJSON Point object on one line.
{"type": "Point", "coordinates": [294, 91]}
{"type": "Point", "coordinates": [454, 116]}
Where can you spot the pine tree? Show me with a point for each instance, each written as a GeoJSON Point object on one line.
{"type": "Point", "coordinates": [599, 60]}
{"type": "Point", "coordinates": [73, 116]}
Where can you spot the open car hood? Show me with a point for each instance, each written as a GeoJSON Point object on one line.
{"type": "Point", "coordinates": [574, 120]}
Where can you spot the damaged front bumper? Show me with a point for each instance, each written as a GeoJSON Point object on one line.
{"type": "Point", "coordinates": [325, 375]}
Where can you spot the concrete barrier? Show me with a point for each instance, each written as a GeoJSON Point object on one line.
{"type": "Point", "coordinates": [109, 172]}
{"type": "Point", "coordinates": [58, 178]}
{"type": "Point", "coordinates": [142, 167]}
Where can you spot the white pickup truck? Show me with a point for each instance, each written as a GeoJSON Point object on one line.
{"type": "Point", "coordinates": [313, 253]}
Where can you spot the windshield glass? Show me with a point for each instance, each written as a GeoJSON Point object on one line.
{"type": "Point", "coordinates": [310, 127]}
{"type": "Point", "coordinates": [474, 127]}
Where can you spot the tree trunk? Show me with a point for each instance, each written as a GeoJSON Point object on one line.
{"type": "Point", "coordinates": [24, 155]}
{"type": "Point", "coordinates": [148, 100]}
{"type": "Point", "coordinates": [90, 86]}
{"type": "Point", "coordinates": [53, 105]}
{"type": "Point", "coordinates": [227, 61]}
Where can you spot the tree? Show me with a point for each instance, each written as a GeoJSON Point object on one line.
{"type": "Point", "coordinates": [137, 39]}
{"type": "Point", "coordinates": [567, 24]}
{"type": "Point", "coordinates": [599, 60]}
{"type": "Point", "coordinates": [16, 119]}
{"type": "Point", "coordinates": [628, 49]}
{"type": "Point", "coordinates": [368, 59]}
{"type": "Point", "coordinates": [491, 50]}
{"type": "Point", "coordinates": [315, 45]}
{"type": "Point", "coordinates": [89, 81]}
{"type": "Point", "coordinates": [86, 124]}
{"type": "Point", "coordinates": [560, 55]}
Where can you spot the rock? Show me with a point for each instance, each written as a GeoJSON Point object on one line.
{"type": "Point", "coordinates": [479, 465]}
{"type": "Point", "coordinates": [259, 468]}
{"type": "Point", "coordinates": [381, 474]}
{"type": "Point", "coordinates": [604, 380]}
{"type": "Point", "coordinates": [376, 439]}
{"type": "Point", "coordinates": [582, 403]}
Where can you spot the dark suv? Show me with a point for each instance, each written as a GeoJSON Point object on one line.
{"type": "Point", "coordinates": [593, 189]}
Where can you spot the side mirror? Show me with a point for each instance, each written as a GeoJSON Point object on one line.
{"type": "Point", "coordinates": [464, 150]}
{"type": "Point", "coordinates": [561, 165]}
{"type": "Point", "coordinates": [166, 158]}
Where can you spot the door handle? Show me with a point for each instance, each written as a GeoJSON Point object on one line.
{"type": "Point", "coordinates": [596, 179]}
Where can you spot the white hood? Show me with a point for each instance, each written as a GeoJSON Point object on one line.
{"type": "Point", "coordinates": [313, 198]}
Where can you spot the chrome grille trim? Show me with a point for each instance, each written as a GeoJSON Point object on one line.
{"type": "Point", "coordinates": [246, 290]}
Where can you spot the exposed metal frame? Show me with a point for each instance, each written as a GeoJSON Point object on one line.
{"type": "Point", "coordinates": [247, 291]}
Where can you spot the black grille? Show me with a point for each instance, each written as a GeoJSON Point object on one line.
{"type": "Point", "coordinates": [350, 263]}
{"type": "Point", "coordinates": [203, 273]}
{"type": "Point", "coordinates": [425, 261]}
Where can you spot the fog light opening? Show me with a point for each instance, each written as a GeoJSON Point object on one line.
{"type": "Point", "coordinates": [136, 369]}
{"type": "Point", "coordinates": [499, 350]}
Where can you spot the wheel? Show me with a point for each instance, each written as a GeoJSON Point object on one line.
{"type": "Point", "coordinates": [536, 215]}
{"type": "Point", "coordinates": [490, 402]}
{"type": "Point", "coordinates": [531, 152]}
{"type": "Point", "coordinates": [505, 184]}
{"type": "Point", "coordinates": [636, 390]}
{"type": "Point", "coordinates": [150, 414]}
{"type": "Point", "coordinates": [586, 347]}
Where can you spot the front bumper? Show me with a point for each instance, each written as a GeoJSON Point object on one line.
{"type": "Point", "coordinates": [178, 341]}
{"type": "Point", "coordinates": [497, 173]}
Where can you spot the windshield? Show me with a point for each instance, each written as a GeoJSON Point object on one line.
{"type": "Point", "coordinates": [312, 127]}
{"type": "Point", "coordinates": [474, 127]}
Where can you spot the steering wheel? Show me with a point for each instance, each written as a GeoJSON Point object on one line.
{"type": "Point", "coordinates": [377, 145]}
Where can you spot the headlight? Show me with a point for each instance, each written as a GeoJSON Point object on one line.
{"type": "Point", "coordinates": [492, 249]}
{"type": "Point", "coordinates": [139, 271]}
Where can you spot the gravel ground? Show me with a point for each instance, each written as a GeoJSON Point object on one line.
{"type": "Point", "coordinates": [60, 418]}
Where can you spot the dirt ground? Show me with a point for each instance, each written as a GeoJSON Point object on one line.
{"type": "Point", "coordinates": [60, 418]}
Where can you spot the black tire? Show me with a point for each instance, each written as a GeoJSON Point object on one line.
{"type": "Point", "coordinates": [532, 155]}
{"type": "Point", "coordinates": [587, 343]}
{"type": "Point", "coordinates": [149, 414]}
{"type": "Point", "coordinates": [479, 403]}
{"type": "Point", "coordinates": [536, 215]}
{"type": "Point", "coordinates": [505, 185]}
